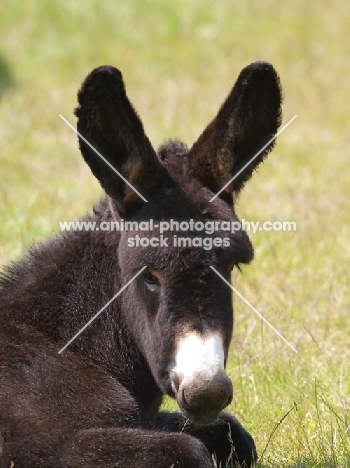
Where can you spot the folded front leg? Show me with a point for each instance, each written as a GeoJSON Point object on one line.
{"type": "Point", "coordinates": [226, 439]}
{"type": "Point", "coordinates": [132, 448]}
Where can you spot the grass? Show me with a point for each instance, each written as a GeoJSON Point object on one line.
{"type": "Point", "coordinates": [179, 60]}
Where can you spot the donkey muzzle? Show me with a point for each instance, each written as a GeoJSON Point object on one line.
{"type": "Point", "coordinates": [198, 379]}
{"type": "Point", "coordinates": [200, 399]}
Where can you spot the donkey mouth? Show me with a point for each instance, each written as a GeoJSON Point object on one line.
{"type": "Point", "coordinates": [204, 418]}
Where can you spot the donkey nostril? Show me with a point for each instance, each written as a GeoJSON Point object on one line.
{"type": "Point", "coordinates": [183, 397]}
{"type": "Point", "coordinates": [176, 382]}
{"type": "Point", "coordinates": [229, 400]}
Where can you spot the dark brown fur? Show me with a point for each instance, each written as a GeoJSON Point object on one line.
{"type": "Point", "coordinates": [97, 403]}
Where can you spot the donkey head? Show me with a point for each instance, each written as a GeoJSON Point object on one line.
{"type": "Point", "coordinates": [179, 311]}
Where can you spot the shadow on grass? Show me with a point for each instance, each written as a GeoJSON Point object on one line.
{"type": "Point", "coordinates": [6, 77]}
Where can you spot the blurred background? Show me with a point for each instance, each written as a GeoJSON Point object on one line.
{"type": "Point", "coordinates": [179, 60]}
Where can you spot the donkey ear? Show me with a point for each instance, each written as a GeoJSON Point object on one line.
{"type": "Point", "coordinates": [247, 120]}
{"type": "Point", "coordinates": [107, 120]}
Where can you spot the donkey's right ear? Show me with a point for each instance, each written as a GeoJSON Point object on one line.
{"type": "Point", "coordinates": [107, 120]}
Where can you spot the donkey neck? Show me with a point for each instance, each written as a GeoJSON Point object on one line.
{"type": "Point", "coordinates": [59, 286]}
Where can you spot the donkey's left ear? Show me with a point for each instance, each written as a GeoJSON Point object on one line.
{"type": "Point", "coordinates": [247, 120]}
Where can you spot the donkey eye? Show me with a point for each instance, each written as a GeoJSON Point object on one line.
{"type": "Point", "coordinates": [151, 280]}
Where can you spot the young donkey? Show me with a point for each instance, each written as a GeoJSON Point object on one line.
{"type": "Point", "coordinates": [97, 403]}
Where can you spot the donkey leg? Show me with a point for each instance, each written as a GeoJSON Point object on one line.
{"type": "Point", "coordinates": [132, 448]}
{"type": "Point", "coordinates": [226, 439]}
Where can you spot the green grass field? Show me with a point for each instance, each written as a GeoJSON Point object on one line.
{"type": "Point", "coordinates": [179, 60]}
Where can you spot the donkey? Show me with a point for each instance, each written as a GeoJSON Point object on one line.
{"type": "Point", "coordinates": [97, 403]}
